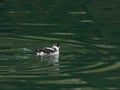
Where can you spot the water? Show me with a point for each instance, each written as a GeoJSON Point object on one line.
{"type": "Point", "coordinates": [89, 37]}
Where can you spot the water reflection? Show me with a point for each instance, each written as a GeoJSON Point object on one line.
{"type": "Point", "coordinates": [51, 59]}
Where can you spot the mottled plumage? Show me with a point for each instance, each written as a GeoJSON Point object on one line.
{"type": "Point", "coordinates": [48, 51]}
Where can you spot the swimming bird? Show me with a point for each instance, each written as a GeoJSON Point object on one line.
{"type": "Point", "coordinates": [54, 50]}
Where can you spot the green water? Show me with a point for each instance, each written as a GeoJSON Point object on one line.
{"type": "Point", "coordinates": [88, 31]}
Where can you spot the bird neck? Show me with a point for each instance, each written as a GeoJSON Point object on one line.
{"type": "Point", "coordinates": [55, 48]}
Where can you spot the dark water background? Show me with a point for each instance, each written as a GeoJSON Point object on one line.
{"type": "Point", "coordinates": [89, 34]}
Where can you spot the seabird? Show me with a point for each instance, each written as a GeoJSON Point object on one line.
{"type": "Point", "coordinates": [54, 50]}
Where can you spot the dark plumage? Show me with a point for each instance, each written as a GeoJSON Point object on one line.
{"type": "Point", "coordinates": [45, 50]}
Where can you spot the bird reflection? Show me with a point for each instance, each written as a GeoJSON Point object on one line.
{"type": "Point", "coordinates": [50, 59]}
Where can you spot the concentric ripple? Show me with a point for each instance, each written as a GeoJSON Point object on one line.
{"type": "Point", "coordinates": [77, 61]}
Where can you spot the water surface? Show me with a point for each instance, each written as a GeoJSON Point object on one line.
{"type": "Point", "coordinates": [89, 55]}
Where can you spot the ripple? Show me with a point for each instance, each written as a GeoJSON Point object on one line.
{"type": "Point", "coordinates": [77, 13]}
{"type": "Point", "coordinates": [103, 69]}
{"type": "Point", "coordinates": [44, 38]}
{"type": "Point", "coordinates": [86, 21]}
{"type": "Point", "coordinates": [87, 60]}
{"type": "Point", "coordinates": [77, 60]}
{"type": "Point", "coordinates": [60, 33]}
{"type": "Point", "coordinates": [37, 24]}
{"type": "Point", "coordinates": [105, 46]}
{"type": "Point", "coordinates": [94, 65]}
{"type": "Point", "coordinates": [26, 49]}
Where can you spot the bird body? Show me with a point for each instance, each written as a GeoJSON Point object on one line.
{"type": "Point", "coordinates": [54, 50]}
